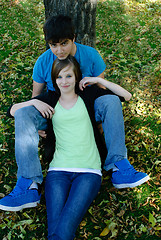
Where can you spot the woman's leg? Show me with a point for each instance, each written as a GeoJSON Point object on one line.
{"type": "Point", "coordinates": [57, 186]}
{"type": "Point", "coordinates": [84, 188]}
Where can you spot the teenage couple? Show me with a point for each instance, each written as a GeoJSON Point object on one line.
{"type": "Point", "coordinates": [74, 109]}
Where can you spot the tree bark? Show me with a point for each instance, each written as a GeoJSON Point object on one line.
{"type": "Point", "coordinates": [83, 14]}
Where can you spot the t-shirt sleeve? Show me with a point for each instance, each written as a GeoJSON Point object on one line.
{"type": "Point", "coordinates": [38, 75]}
{"type": "Point", "coordinates": [99, 65]}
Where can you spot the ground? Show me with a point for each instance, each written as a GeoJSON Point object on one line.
{"type": "Point", "coordinates": [129, 40]}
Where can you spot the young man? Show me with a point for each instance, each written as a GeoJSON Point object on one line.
{"type": "Point", "coordinates": [59, 33]}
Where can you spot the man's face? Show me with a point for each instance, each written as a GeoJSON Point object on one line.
{"type": "Point", "coordinates": [63, 48]}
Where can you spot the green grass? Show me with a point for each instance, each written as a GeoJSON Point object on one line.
{"type": "Point", "coordinates": [129, 40]}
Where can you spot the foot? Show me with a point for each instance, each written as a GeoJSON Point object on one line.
{"type": "Point", "coordinates": [21, 197]}
{"type": "Point", "coordinates": [127, 176]}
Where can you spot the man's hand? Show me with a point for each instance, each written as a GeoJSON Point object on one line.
{"type": "Point", "coordinates": [42, 133]}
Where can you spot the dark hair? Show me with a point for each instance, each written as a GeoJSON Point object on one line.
{"type": "Point", "coordinates": [57, 28]}
{"type": "Point", "coordinates": [58, 65]}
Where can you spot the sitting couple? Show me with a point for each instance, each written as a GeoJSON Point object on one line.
{"type": "Point", "coordinates": [73, 110]}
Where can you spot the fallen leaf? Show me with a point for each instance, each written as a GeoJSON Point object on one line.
{"type": "Point", "coordinates": [105, 231]}
{"type": "Point", "coordinates": [152, 220]}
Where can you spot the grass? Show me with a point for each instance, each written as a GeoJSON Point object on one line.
{"type": "Point", "coordinates": [129, 40]}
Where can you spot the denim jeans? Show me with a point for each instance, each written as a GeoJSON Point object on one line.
{"type": "Point", "coordinates": [68, 196]}
{"type": "Point", "coordinates": [28, 121]}
{"type": "Point", "coordinates": [108, 110]}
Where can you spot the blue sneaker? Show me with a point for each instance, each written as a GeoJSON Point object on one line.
{"type": "Point", "coordinates": [21, 196]}
{"type": "Point", "coordinates": [126, 176]}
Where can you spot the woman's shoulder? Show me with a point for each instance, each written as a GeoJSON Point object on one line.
{"type": "Point", "coordinates": [89, 93]}
{"type": "Point", "coordinates": [93, 91]}
{"type": "Point", "coordinates": [50, 97]}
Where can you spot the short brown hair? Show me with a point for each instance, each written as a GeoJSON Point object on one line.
{"type": "Point", "coordinates": [58, 65]}
{"type": "Point", "coordinates": [58, 28]}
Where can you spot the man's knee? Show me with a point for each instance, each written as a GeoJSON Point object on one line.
{"type": "Point", "coordinates": [107, 100]}
{"type": "Point", "coordinates": [112, 100]}
{"type": "Point", "coordinates": [26, 112]}
{"type": "Point", "coordinates": [107, 104]}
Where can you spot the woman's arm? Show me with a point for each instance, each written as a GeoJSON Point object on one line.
{"type": "Point", "coordinates": [115, 88]}
{"type": "Point", "coordinates": [46, 110]}
{"type": "Point", "coordinates": [101, 76]}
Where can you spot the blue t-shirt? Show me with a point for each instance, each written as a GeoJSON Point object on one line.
{"type": "Point", "coordinates": [91, 64]}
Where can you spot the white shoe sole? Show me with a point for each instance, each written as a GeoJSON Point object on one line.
{"type": "Point", "coordinates": [132, 185]}
{"type": "Point", "coordinates": [15, 209]}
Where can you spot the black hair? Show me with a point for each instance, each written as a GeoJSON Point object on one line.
{"type": "Point", "coordinates": [58, 65]}
{"type": "Point", "coordinates": [58, 28]}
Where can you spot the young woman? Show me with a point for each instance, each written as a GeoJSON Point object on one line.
{"type": "Point", "coordinates": [74, 175]}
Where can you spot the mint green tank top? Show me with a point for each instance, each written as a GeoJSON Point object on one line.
{"type": "Point", "coordinates": [75, 142]}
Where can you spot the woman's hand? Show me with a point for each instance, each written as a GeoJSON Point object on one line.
{"type": "Point", "coordinates": [87, 81]}
{"type": "Point", "coordinates": [46, 110]}
{"type": "Point", "coordinates": [115, 88]}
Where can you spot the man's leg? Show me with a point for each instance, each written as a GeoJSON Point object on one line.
{"type": "Point", "coordinates": [108, 110]}
{"type": "Point", "coordinates": [68, 197]}
{"type": "Point", "coordinates": [27, 123]}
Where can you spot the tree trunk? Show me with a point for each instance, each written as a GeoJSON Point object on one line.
{"type": "Point", "coordinates": [83, 14]}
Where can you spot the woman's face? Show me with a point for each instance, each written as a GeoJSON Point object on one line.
{"type": "Point", "coordinates": [66, 80]}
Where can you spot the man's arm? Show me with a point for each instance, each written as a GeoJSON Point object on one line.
{"type": "Point", "coordinates": [37, 88]}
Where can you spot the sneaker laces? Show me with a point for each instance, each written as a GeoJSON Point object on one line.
{"type": "Point", "coordinates": [15, 191]}
{"type": "Point", "coordinates": [130, 170]}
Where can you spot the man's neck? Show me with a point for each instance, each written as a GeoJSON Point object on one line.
{"type": "Point", "coordinates": [74, 49]}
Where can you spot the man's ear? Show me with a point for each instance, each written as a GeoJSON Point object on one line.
{"type": "Point", "coordinates": [74, 38]}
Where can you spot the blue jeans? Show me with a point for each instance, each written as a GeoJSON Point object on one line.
{"type": "Point", "coordinates": [108, 110]}
{"type": "Point", "coordinates": [28, 121]}
{"type": "Point", "coordinates": [68, 196]}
